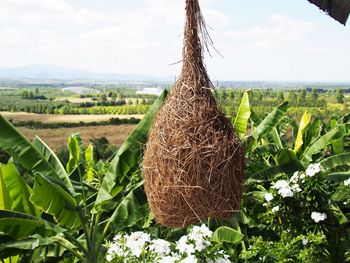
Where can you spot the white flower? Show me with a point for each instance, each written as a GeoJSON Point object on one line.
{"type": "Point", "coordinates": [200, 245]}
{"type": "Point", "coordinates": [189, 259]}
{"type": "Point", "coordinates": [222, 259]}
{"type": "Point", "coordinates": [115, 250]}
{"type": "Point", "coordinates": [313, 169]}
{"type": "Point", "coordinates": [347, 182]}
{"type": "Point", "coordinates": [280, 184]}
{"type": "Point", "coordinates": [183, 247]}
{"type": "Point", "coordinates": [305, 242]}
{"type": "Point", "coordinates": [109, 257]}
{"type": "Point", "coordinates": [136, 242]}
{"type": "Point", "coordinates": [286, 192]}
{"type": "Point", "coordinates": [318, 217]}
{"type": "Point", "coordinates": [167, 259]}
{"type": "Point", "coordinates": [283, 188]}
{"type": "Point", "coordinates": [295, 177]}
{"type": "Point", "coordinates": [160, 246]}
{"type": "Point", "coordinates": [275, 209]}
{"type": "Point", "coordinates": [296, 187]}
{"type": "Point", "coordinates": [225, 259]}
{"type": "Point", "coordinates": [198, 235]}
{"type": "Point", "coordinates": [199, 232]}
{"type": "Point", "coordinates": [268, 197]}
{"type": "Point", "coordinates": [117, 238]}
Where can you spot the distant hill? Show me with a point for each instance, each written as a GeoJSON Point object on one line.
{"type": "Point", "coordinates": [49, 72]}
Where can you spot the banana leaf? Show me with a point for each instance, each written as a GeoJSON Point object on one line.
{"type": "Point", "coordinates": [128, 156]}
{"type": "Point", "coordinates": [304, 122]}
{"type": "Point", "coordinates": [5, 197]}
{"type": "Point", "coordinates": [243, 115]}
{"type": "Point", "coordinates": [285, 156]}
{"type": "Point", "coordinates": [28, 243]}
{"type": "Point", "coordinates": [265, 150]}
{"type": "Point", "coordinates": [18, 225]}
{"type": "Point", "coordinates": [19, 190]}
{"type": "Point", "coordinates": [52, 197]}
{"type": "Point", "coordinates": [271, 121]}
{"type": "Point", "coordinates": [74, 154]}
{"type": "Point", "coordinates": [273, 172]}
{"type": "Point", "coordinates": [131, 209]}
{"type": "Point", "coordinates": [335, 134]}
{"type": "Point", "coordinates": [312, 133]}
{"type": "Point", "coordinates": [18, 147]}
{"type": "Point", "coordinates": [334, 161]}
{"type": "Point", "coordinates": [227, 235]}
{"type": "Point", "coordinates": [50, 157]}
{"type": "Point", "coordinates": [89, 157]}
{"type": "Point", "coordinates": [338, 176]}
{"type": "Point", "coordinates": [338, 145]}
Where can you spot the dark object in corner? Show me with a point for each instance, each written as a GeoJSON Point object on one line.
{"type": "Point", "coordinates": [338, 9]}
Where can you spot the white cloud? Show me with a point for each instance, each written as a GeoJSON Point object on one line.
{"type": "Point", "coordinates": [277, 31]}
{"type": "Point", "coordinates": [148, 37]}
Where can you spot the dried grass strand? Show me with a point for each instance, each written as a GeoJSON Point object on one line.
{"type": "Point", "coordinates": [194, 161]}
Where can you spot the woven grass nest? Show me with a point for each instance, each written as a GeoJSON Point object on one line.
{"type": "Point", "coordinates": [194, 161]}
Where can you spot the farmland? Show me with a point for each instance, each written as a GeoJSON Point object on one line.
{"type": "Point", "coordinates": [54, 118]}
{"type": "Point", "coordinates": [35, 108]}
{"type": "Point", "coordinates": [57, 138]}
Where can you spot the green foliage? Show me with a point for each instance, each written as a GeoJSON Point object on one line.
{"type": "Point", "coordinates": [295, 208]}
{"type": "Point", "coordinates": [243, 115]}
{"type": "Point", "coordinates": [227, 234]}
{"type": "Point", "coordinates": [60, 212]}
{"type": "Point", "coordinates": [309, 248]}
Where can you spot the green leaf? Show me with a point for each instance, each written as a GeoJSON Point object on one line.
{"type": "Point", "coordinates": [338, 176]}
{"type": "Point", "coordinates": [18, 147]}
{"type": "Point", "coordinates": [89, 156]}
{"type": "Point", "coordinates": [132, 209]}
{"type": "Point", "coordinates": [285, 156]}
{"type": "Point", "coordinates": [50, 195]}
{"type": "Point", "coordinates": [5, 198]}
{"type": "Point", "coordinates": [243, 115]}
{"type": "Point", "coordinates": [74, 154]}
{"type": "Point", "coordinates": [335, 161]}
{"type": "Point", "coordinates": [265, 150]}
{"type": "Point", "coordinates": [28, 243]}
{"type": "Point", "coordinates": [338, 214]}
{"type": "Point", "coordinates": [50, 157]}
{"type": "Point", "coordinates": [18, 225]}
{"type": "Point", "coordinates": [271, 121]}
{"type": "Point", "coordinates": [304, 122]}
{"type": "Point", "coordinates": [227, 234]}
{"type": "Point", "coordinates": [13, 259]}
{"type": "Point", "coordinates": [273, 172]}
{"type": "Point", "coordinates": [255, 118]}
{"type": "Point", "coordinates": [276, 137]}
{"type": "Point", "coordinates": [338, 145]}
{"type": "Point", "coordinates": [128, 156]}
{"type": "Point", "coordinates": [335, 134]}
{"type": "Point", "coordinates": [19, 190]}
{"type": "Point", "coordinates": [313, 132]}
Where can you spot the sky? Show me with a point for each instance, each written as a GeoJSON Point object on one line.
{"type": "Point", "coordinates": [275, 40]}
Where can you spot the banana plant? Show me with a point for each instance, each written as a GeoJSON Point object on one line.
{"type": "Point", "coordinates": [273, 154]}
{"type": "Point", "coordinates": [48, 209]}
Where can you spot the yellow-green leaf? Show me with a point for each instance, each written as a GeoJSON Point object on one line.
{"type": "Point", "coordinates": [304, 122]}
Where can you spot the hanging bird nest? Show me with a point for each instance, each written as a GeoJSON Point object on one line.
{"type": "Point", "coordinates": [194, 161]}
